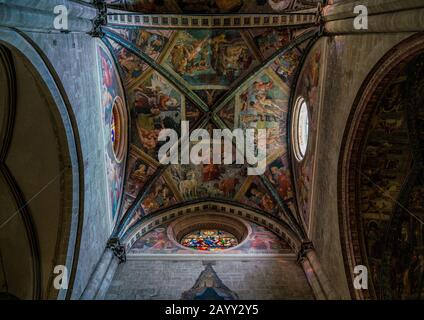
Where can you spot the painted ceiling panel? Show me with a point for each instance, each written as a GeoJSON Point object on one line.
{"type": "Point", "coordinates": [263, 104]}
{"type": "Point", "coordinates": [208, 180]}
{"type": "Point", "coordinates": [151, 42]}
{"type": "Point", "coordinates": [270, 40]}
{"type": "Point", "coordinates": [156, 105]}
{"type": "Point", "coordinates": [285, 65]}
{"type": "Point", "coordinates": [214, 79]}
{"type": "Point", "coordinates": [210, 60]}
{"type": "Point", "coordinates": [192, 114]}
{"type": "Point", "coordinates": [257, 196]}
{"type": "Point", "coordinates": [227, 114]}
{"type": "Point", "coordinates": [161, 197]}
{"type": "Point", "coordinates": [278, 174]}
{"type": "Point", "coordinates": [210, 96]}
{"type": "Point", "coordinates": [132, 67]}
{"type": "Point", "coordinates": [139, 170]}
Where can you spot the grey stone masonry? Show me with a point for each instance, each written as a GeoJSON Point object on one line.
{"type": "Point", "coordinates": [272, 279]}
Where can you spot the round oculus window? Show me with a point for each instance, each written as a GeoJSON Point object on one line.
{"type": "Point", "coordinates": [300, 132]}
{"type": "Point", "coordinates": [118, 129]}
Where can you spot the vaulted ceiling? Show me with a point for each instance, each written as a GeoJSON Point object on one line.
{"type": "Point", "coordinates": [216, 71]}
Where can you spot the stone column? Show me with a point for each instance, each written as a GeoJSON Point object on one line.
{"type": "Point", "coordinates": [107, 280]}
{"type": "Point", "coordinates": [316, 277]}
{"type": "Point", "coordinates": [101, 277]}
{"type": "Point", "coordinates": [39, 15]}
{"type": "Point", "coordinates": [384, 16]}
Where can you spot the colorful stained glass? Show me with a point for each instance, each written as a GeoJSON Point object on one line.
{"type": "Point", "coordinates": [209, 240]}
{"type": "Point", "coordinates": [113, 130]}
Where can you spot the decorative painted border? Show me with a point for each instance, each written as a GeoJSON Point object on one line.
{"type": "Point", "coordinates": [211, 257]}
{"type": "Point", "coordinates": [179, 21]}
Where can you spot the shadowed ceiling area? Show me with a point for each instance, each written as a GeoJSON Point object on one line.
{"type": "Point", "coordinates": [390, 187]}
{"type": "Point", "coordinates": [34, 225]}
{"type": "Point", "coordinates": [213, 78]}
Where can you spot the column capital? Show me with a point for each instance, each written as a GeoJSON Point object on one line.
{"type": "Point", "coordinates": [118, 249]}
{"type": "Point", "coordinates": [100, 20]}
{"type": "Point", "coordinates": [305, 247]}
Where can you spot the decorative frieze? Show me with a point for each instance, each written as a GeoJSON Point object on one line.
{"type": "Point", "coordinates": [210, 21]}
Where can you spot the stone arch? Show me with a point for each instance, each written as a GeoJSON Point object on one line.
{"type": "Point", "coordinates": [146, 225]}
{"type": "Point", "coordinates": [154, 245]}
{"type": "Point", "coordinates": [40, 174]}
{"type": "Point", "coordinates": [365, 105]}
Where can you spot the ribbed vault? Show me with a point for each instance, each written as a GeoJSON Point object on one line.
{"type": "Point", "coordinates": [234, 66]}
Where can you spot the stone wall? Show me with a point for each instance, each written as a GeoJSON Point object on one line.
{"type": "Point", "coordinates": [273, 279]}
{"type": "Point", "coordinates": [73, 57]}
{"type": "Point", "coordinates": [349, 59]}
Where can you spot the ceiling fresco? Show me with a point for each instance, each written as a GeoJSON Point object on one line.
{"type": "Point", "coordinates": [211, 6]}
{"type": "Point", "coordinates": [214, 79]}
{"type": "Point", "coordinates": [309, 88]}
{"type": "Point", "coordinates": [210, 61]}
{"type": "Point", "coordinates": [111, 92]}
{"type": "Point", "coordinates": [259, 241]}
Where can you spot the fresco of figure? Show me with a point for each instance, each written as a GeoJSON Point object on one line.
{"type": "Point", "coordinates": [205, 57]}
{"type": "Point", "coordinates": [156, 106]}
